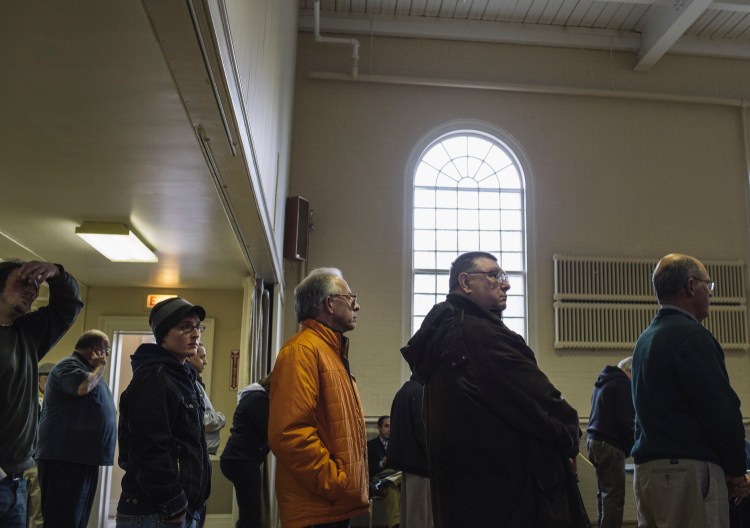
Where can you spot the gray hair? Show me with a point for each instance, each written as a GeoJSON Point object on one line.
{"type": "Point", "coordinates": [465, 262]}
{"type": "Point", "coordinates": [626, 364]}
{"type": "Point", "coordinates": [311, 293]}
{"type": "Point", "coordinates": [673, 276]}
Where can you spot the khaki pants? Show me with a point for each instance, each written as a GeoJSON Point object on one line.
{"type": "Point", "coordinates": [33, 498]}
{"type": "Point", "coordinates": [416, 506]}
{"type": "Point", "coordinates": [682, 493]}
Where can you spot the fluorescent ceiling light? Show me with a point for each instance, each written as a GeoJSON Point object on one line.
{"type": "Point", "coordinates": [116, 242]}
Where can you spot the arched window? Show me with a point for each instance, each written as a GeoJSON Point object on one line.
{"type": "Point", "coordinates": [468, 196]}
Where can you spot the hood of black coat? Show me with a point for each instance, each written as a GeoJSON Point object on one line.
{"type": "Point", "coordinates": [439, 330]}
{"type": "Point", "coordinates": [150, 354]}
{"type": "Point", "coordinates": [609, 372]}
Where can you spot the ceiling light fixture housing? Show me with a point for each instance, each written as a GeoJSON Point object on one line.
{"type": "Point", "coordinates": [116, 242]}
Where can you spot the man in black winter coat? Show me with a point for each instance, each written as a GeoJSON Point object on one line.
{"type": "Point", "coordinates": [499, 434]}
{"type": "Point", "coordinates": [610, 439]}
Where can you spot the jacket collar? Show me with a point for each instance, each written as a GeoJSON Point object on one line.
{"type": "Point", "coordinates": [465, 303]}
{"type": "Point", "coordinates": [333, 338]}
{"type": "Point", "coordinates": [677, 309]}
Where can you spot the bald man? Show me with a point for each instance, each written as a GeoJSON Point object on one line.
{"type": "Point", "coordinates": [689, 439]}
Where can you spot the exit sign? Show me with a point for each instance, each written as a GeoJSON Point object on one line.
{"type": "Point", "coordinates": [153, 299]}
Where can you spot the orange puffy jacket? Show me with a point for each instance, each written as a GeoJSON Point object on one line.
{"type": "Point", "coordinates": [316, 429]}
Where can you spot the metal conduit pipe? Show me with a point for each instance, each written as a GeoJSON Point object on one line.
{"type": "Point", "coordinates": [526, 88]}
{"type": "Point", "coordinates": [336, 40]}
{"type": "Point", "coordinates": [746, 152]}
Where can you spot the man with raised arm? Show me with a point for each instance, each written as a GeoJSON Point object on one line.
{"type": "Point", "coordinates": [77, 433]}
{"type": "Point", "coordinates": [25, 338]}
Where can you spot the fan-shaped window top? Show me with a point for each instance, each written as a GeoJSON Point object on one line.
{"type": "Point", "coordinates": [468, 196]}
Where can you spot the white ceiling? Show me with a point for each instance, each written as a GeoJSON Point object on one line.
{"type": "Point", "coordinates": [94, 127]}
{"type": "Point", "coordinates": [647, 28]}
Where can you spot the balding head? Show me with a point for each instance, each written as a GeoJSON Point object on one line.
{"type": "Point", "coordinates": [682, 280]}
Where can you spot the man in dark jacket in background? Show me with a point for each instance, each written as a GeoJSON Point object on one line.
{"type": "Point", "coordinates": [499, 434]}
{"type": "Point", "coordinates": [384, 480]}
{"type": "Point", "coordinates": [246, 450]}
{"type": "Point", "coordinates": [407, 452]}
{"type": "Point", "coordinates": [610, 439]}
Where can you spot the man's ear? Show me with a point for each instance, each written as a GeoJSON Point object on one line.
{"type": "Point", "coordinates": [690, 288]}
{"type": "Point", "coordinates": [328, 305]}
{"type": "Point", "coordinates": [463, 282]}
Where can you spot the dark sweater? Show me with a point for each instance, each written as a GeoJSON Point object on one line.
{"type": "Point", "coordinates": [612, 414]}
{"type": "Point", "coordinates": [407, 449]}
{"type": "Point", "coordinates": [248, 439]}
{"type": "Point", "coordinates": [22, 345]}
{"type": "Point", "coordinates": [375, 453]}
{"type": "Point", "coordinates": [685, 407]}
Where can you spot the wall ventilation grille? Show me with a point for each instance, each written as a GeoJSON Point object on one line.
{"type": "Point", "coordinates": [605, 303]}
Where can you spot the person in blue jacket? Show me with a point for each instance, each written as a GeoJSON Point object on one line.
{"type": "Point", "coordinates": [610, 439]}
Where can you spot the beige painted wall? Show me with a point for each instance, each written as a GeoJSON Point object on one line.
{"type": "Point", "coordinates": [605, 177]}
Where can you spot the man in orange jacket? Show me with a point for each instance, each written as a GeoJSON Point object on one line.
{"type": "Point", "coordinates": [316, 426]}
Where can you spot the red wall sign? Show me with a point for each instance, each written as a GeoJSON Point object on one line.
{"type": "Point", "coordinates": [234, 369]}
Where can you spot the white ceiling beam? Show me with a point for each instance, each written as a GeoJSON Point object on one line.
{"type": "Point", "coordinates": [718, 49]}
{"type": "Point", "coordinates": [475, 31]}
{"type": "Point", "coordinates": [664, 25]}
{"type": "Point", "coordinates": [737, 6]}
{"type": "Point", "coordinates": [511, 33]}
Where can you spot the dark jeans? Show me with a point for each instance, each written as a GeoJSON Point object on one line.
{"type": "Point", "coordinates": [337, 524]}
{"type": "Point", "coordinates": [13, 503]}
{"type": "Point", "coordinates": [246, 479]}
{"type": "Point", "coordinates": [151, 521]}
{"type": "Point", "coordinates": [68, 491]}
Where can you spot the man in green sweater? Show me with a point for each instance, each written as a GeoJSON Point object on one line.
{"type": "Point", "coordinates": [689, 439]}
{"type": "Point", "coordinates": [24, 339]}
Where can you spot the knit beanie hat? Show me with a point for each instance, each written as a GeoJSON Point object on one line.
{"type": "Point", "coordinates": [166, 314]}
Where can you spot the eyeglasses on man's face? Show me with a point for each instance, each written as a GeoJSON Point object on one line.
{"type": "Point", "coordinates": [187, 328]}
{"type": "Point", "coordinates": [351, 298]}
{"type": "Point", "coordinates": [709, 283]}
{"type": "Point", "coordinates": [498, 276]}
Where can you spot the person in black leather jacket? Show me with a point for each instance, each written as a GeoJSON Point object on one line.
{"type": "Point", "coordinates": [162, 444]}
